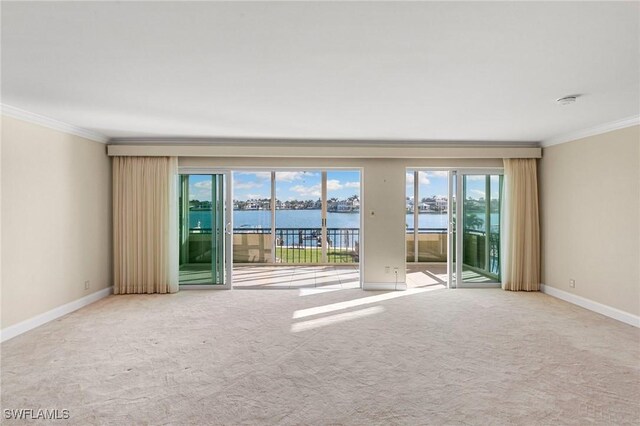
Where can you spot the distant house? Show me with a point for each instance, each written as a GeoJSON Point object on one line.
{"type": "Point", "coordinates": [349, 205]}
{"type": "Point", "coordinates": [433, 204]}
{"type": "Point", "coordinates": [343, 206]}
{"type": "Point", "coordinates": [264, 204]}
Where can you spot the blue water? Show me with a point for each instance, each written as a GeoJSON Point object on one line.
{"type": "Point", "coordinates": [251, 219]}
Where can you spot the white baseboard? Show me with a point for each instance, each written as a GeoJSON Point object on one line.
{"type": "Point", "coordinates": [26, 325]}
{"type": "Point", "coordinates": [589, 304]}
{"type": "Point", "coordinates": [384, 286]}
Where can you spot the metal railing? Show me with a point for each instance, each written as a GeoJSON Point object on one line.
{"type": "Point", "coordinates": [292, 245]}
{"type": "Point", "coordinates": [428, 230]}
{"type": "Point", "coordinates": [304, 245]}
{"type": "Point", "coordinates": [475, 250]}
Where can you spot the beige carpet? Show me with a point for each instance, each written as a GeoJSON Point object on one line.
{"type": "Point", "coordinates": [424, 356]}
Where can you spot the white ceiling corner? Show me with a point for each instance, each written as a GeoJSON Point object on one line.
{"type": "Point", "coordinates": [592, 131]}
{"type": "Point", "coordinates": [11, 111]}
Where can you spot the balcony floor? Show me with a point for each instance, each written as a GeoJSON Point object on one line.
{"type": "Point", "coordinates": [424, 275]}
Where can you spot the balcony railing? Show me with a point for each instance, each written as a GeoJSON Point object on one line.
{"type": "Point", "coordinates": [304, 245]}
{"type": "Point", "coordinates": [292, 245]}
{"type": "Point", "coordinates": [475, 251]}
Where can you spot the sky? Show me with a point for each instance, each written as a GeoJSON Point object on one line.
{"type": "Point", "coordinates": [305, 185]}
{"type": "Point", "coordinates": [436, 183]}
{"type": "Point", "coordinates": [200, 187]}
{"type": "Point", "coordinates": [290, 185]}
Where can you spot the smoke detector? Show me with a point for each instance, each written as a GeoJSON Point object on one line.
{"type": "Point", "coordinates": [567, 100]}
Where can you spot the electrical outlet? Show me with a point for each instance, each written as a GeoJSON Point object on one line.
{"type": "Point", "coordinates": [387, 269]}
{"type": "Point", "coordinates": [572, 283]}
{"type": "Point", "coordinates": [87, 284]}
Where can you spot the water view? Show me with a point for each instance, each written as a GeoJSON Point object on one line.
{"type": "Point", "coordinates": [261, 219]}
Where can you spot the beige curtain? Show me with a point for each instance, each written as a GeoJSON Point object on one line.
{"type": "Point", "coordinates": [520, 226]}
{"type": "Point", "coordinates": [145, 225]}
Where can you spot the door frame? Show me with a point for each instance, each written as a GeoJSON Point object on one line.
{"type": "Point", "coordinates": [415, 171]}
{"type": "Point", "coordinates": [227, 187]}
{"type": "Point", "coordinates": [454, 272]}
{"type": "Point", "coordinates": [323, 169]}
{"type": "Point", "coordinates": [459, 246]}
{"type": "Point", "coordinates": [228, 172]}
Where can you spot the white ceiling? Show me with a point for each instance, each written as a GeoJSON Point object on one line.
{"type": "Point", "coordinates": [405, 71]}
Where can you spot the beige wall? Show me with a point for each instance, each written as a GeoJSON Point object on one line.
{"type": "Point", "coordinates": [590, 211]}
{"type": "Point", "coordinates": [383, 192]}
{"type": "Point", "coordinates": [56, 219]}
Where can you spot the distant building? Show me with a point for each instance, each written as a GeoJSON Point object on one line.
{"type": "Point", "coordinates": [350, 205]}
{"type": "Point", "coordinates": [343, 206]}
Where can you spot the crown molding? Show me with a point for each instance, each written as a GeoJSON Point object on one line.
{"type": "Point", "coordinates": [20, 114]}
{"type": "Point", "coordinates": [592, 131]}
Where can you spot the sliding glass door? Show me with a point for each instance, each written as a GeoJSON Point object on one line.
{"type": "Point", "coordinates": [453, 218]}
{"type": "Point", "coordinates": [253, 240]}
{"type": "Point", "coordinates": [205, 230]}
{"type": "Point", "coordinates": [302, 217]}
{"type": "Point", "coordinates": [427, 215]}
{"type": "Point", "coordinates": [477, 238]}
{"type": "Point", "coordinates": [427, 220]}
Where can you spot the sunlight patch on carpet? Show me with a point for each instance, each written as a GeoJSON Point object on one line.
{"type": "Point", "coordinates": [334, 319]}
{"type": "Point", "coordinates": [303, 313]}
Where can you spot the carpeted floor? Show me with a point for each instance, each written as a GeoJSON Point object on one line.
{"type": "Point", "coordinates": [329, 356]}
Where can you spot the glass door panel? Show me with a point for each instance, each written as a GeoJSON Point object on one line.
{"type": "Point", "coordinates": [203, 234]}
{"type": "Point", "coordinates": [410, 217]}
{"type": "Point", "coordinates": [252, 208]}
{"type": "Point", "coordinates": [427, 208]}
{"type": "Point", "coordinates": [480, 239]}
{"type": "Point", "coordinates": [496, 182]}
{"type": "Point", "coordinates": [451, 241]}
{"type": "Point", "coordinates": [343, 216]}
{"type": "Point", "coordinates": [433, 216]}
{"type": "Point", "coordinates": [298, 216]}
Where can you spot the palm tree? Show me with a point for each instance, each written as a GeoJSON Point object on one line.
{"type": "Point", "coordinates": [471, 221]}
